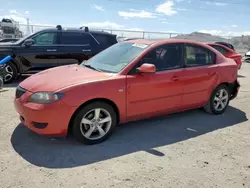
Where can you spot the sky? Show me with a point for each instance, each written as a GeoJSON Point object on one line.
{"type": "Point", "coordinates": [218, 17]}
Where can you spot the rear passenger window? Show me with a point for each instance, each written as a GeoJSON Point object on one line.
{"type": "Point", "coordinates": [198, 56]}
{"type": "Point", "coordinates": [75, 38]}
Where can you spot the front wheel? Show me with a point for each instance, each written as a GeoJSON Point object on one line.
{"type": "Point", "coordinates": [94, 123]}
{"type": "Point", "coordinates": [10, 72]}
{"type": "Point", "coordinates": [219, 100]}
{"type": "Point", "coordinates": [1, 82]}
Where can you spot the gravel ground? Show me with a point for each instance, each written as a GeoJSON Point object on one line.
{"type": "Point", "coordinates": [190, 149]}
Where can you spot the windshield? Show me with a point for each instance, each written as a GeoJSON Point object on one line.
{"type": "Point", "coordinates": [116, 57]}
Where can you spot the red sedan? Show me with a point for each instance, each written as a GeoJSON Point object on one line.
{"type": "Point", "coordinates": [129, 81]}
{"type": "Point", "coordinates": [228, 52]}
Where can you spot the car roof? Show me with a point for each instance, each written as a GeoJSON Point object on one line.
{"type": "Point", "coordinates": [167, 41]}
{"type": "Point", "coordinates": [80, 31]}
{"type": "Point", "coordinates": [222, 46]}
{"type": "Point", "coordinates": [229, 45]}
{"type": "Point", "coordinates": [155, 43]}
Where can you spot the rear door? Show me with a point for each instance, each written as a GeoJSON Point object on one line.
{"type": "Point", "coordinates": [75, 47]}
{"type": "Point", "coordinates": [200, 75]}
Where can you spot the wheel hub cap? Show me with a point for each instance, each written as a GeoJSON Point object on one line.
{"type": "Point", "coordinates": [221, 100]}
{"type": "Point", "coordinates": [8, 73]}
{"type": "Point", "coordinates": [95, 124]}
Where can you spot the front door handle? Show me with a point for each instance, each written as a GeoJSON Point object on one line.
{"type": "Point", "coordinates": [51, 50]}
{"type": "Point", "coordinates": [175, 78]}
{"type": "Point", "coordinates": [86, 50]}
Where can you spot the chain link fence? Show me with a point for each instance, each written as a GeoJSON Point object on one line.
{"type": "Point", "coordinates": [240, 42]}
{"type": "Point", "coordinates": [29, 29]}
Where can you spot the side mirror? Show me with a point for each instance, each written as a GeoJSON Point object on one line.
{"type": "Point", "coordinates": [28, 42]}
{"type": "Point", "coordinates": [146, 68]}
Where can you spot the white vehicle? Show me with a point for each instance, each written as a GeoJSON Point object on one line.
{"type": "Point", "coordinates": [9, 29]}
{"type": "Point", "coordinates": [247, 56]}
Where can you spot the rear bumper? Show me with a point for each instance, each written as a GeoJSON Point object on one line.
{"type": "Point", "coordinates": [234, 89]}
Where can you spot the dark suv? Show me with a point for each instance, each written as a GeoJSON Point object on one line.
{"type": "Point", "coordinates": [53, 47]}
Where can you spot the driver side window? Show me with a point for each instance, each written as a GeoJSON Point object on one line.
{"type": "Point", "coordinates": [48, 38]}
{"type": "Point", "coordinates": [165, 57]}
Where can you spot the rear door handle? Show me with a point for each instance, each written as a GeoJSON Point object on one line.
{"type": "Point", "coordinates": [87, 50]}
{"type": "Point", "coordinates": [175, 78]}
{"type": "Point", "coordinates": [52, 57]}
{"type": "Point", "coordinates": [211, 73]}
{"type": "Point", "coordinates": [51, 50]}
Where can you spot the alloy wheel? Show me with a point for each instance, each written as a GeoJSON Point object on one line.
{"type": "Point", "coordinates": [9, 72]}
{"type": "Point", "coordinates": [221, 100]}
{"type": "Point", "coordinates": [96, 123]}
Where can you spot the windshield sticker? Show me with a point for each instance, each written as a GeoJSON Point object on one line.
{"type": "Point", "coordinates": [140, 45]}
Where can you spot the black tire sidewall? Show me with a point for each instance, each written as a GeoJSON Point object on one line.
{"type": "Point", "coordinates": [213, 110]}
{"type": "Point", "coordinates": [15, 72]}
{"type": "Point", "coordinates": [1, 82]}
{"type": "Point", "coordinates": [77, 120]}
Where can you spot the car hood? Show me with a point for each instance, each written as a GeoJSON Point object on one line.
{"type": "Point", "coordinates": [60, 77]}
{"type": "Point", "coordinates": [8, 47]}
{"type": "Point", "coordinates": [8, 44]}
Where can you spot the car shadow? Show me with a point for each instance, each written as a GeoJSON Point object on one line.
{"type": "Point", "coordinates": [3, 90]}
{"type": "Point", "coordinates": [128, 138]}
{"type": "Point", "coordinates": [241, 76]}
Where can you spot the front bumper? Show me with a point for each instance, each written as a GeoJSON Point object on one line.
{"type": "Point", "coordinates": [44, 119]}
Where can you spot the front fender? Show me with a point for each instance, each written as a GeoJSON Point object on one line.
{"type": "Point", "coordinates": [14, 59]}
{"type": "Point", "coordinates": [112, 89]}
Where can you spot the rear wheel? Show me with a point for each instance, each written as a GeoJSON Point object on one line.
{"type": "Point", "coordinates": [219, 100]}
{"type": "Point", "coordinates": [94, 123]}
{"type": "Point", "coordinates": [10, 72]}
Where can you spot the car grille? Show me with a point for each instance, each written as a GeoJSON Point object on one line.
{"type": "Point", "coordinates": [19, 91]}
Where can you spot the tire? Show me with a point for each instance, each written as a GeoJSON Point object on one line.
{"type": "Point", "coordinates": [1, 82]}
{"type": "Point", "coordinates": [10, 72]}
{"type": "Point", "coordinates": [211, 106]}
{"type": "Point", "coordinates": [91, 130]}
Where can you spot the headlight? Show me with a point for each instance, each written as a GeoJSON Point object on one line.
{"type": "Point", "coordinates": [45, 97]}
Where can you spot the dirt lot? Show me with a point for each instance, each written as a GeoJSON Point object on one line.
{"type": "Point", "coordinates": [191, 149]}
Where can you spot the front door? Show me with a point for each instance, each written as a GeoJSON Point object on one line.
{"type": "Point", "coordinates": [161, 92]}
{"type": "Point", "coordinates": [42, 54]}
{"type": "Point", "coordinates": [200, 75]}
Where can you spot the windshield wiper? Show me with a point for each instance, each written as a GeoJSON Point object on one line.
{"type": "Point", "coordinates": [89, 66]}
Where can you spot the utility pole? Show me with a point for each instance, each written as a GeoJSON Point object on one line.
{"type": "Point", "coordinates": [28, 26]}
